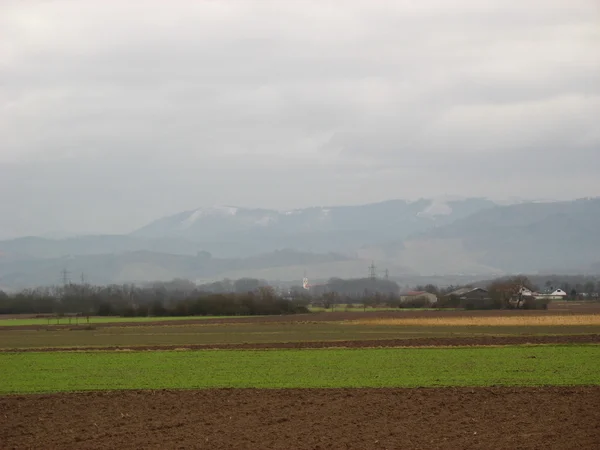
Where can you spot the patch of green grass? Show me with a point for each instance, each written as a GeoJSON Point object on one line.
{"type": "Point", "coordinates": [101, 319]}
{"type": "Point", "coordinates": [483, 366]}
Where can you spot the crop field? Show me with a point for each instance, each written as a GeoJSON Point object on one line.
{"type": "Point", "coordinates": [334, 368]}
{"type": "Point", "coordinates": [506, 321]}
{"type": "Point", "coordinates": [382, 379]}
{"type": "Point", "coordinates": [257, 332]}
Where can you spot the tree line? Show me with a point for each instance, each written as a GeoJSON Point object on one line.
{"type": "Point", "coordinates": [249, 296]}
{"type": "Point", "coordinates": [160, 299]}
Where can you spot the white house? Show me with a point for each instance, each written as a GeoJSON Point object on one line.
{"type": "Point", "coordinates": [526, 292]}
{"type": "Point", "coordinates": [558, 294]}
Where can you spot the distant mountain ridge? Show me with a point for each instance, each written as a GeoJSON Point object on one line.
{"type": "Point", "coordinates": [337, 228]}
{"type": "Point", "coordinates": [521, 238]}
{"type": "Point", "coordinates": [426, 237]}
{"type": "Point", "coordinates": [559, 236]}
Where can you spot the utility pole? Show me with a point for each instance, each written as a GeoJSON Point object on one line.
{"type": "Point", "coordinates": [64, 274]}
{"type": "Point", "coordinates": [131, 296]}
{"type": "Point", "coordinates": [65, 277]}
{"type": "Point", "coordinates": [82, 296]}
{"type": "Point", "coordinates": [372, 268]}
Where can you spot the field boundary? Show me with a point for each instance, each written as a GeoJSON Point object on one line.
{"type": "Point", "coordinates": [425, 342]}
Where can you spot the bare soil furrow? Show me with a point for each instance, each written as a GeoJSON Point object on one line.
{"type": "Point", "coordinates": [433, 418]}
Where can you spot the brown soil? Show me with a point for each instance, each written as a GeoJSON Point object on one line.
{"type": "Point", "coordinates": [412, 342]}
{"type": "Point", "coordinates": [449, 418]}
{"type": "Point", "coordinates": [593, 308]}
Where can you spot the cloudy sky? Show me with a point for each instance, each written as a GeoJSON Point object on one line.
{"type": "Point", "coordinates": [114, 113]}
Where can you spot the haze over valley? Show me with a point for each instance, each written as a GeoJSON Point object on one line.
{"type": "Point", "coordinates": [470, 237]}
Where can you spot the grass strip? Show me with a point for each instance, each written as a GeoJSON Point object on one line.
{"type": "Point", "coordinates": [331, 368]}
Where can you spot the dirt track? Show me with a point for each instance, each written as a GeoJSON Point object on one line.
{"type": "Point", "coordinates": [451, 418]}
{"type": "Point", "coordinates": [414, 342]}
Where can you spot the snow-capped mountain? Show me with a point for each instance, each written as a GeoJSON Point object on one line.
{"type": "Point", "coordinates": [316, 228]}
{"type": "Point", "coordinates": [425, 237]}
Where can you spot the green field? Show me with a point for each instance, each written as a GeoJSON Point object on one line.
{"type": "Point", "coordinates": [506, 366]}
{"type": "Point", "coordinates": [259, 333]}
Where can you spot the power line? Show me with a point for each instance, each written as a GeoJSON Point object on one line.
{"type": "Point", "coordinates": [372, 273]}
{"type": "Point", "coordinates": [65, 277]}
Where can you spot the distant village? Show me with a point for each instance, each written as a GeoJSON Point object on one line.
{"type": "Point", "coordinates": [515, 292]}
{"type": "Point", "coordinates": [250, 296]}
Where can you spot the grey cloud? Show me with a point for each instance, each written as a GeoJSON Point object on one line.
{"type": "Point", "coordinates": [114, 113]}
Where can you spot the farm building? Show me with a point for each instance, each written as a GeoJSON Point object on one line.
{"type": "Point", "coordinates": [414, 295]}
{"type": "Point", "coordinates": [557, 294]}
{"type": "Point", "coordinates": [524, 291]}
{"type": "Point", "coordinates": [470, 293]}
{"type": "Point", "coordinates": [470, 297]}
{"type": "Point", "coordinates": [524, 294]}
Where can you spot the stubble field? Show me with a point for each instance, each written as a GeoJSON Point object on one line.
{"type": "Point", "coordinates": [428, 379]}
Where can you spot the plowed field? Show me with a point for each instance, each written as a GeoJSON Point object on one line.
{"type": "Point", "coordinates": [379, 343]}
{"type": "Point", "coordinates": [451, 418]}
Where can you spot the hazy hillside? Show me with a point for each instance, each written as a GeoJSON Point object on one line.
{"type": "Point", "coordinates": [471, 237]}
{"type": "Point", "coordinates": [532, 237]}
{"type": "Point", "coordinates": [222, 230]}
{"type": "Point", "coordinates": [146, 266]}
{"type": "Point", "coordinates": [39, 247]}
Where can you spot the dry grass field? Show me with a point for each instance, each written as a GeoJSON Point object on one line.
{"type": "Point", "coordinates": [491, 321]}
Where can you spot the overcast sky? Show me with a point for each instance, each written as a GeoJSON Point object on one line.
{"type": "Point", "coordinates": [114, 113]}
